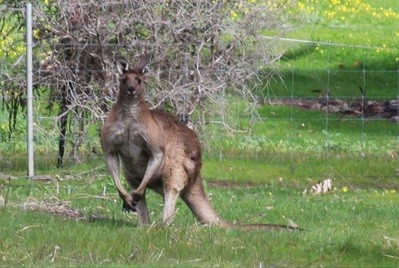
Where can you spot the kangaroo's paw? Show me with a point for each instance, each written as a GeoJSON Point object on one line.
{"type": "Point", "coordinates": [136, 196]}
{"type": "Point", "coordinates": [135, 200]}
{"type": "Point", "coordinates": [129, 204]}
{"type": "Point", "coordinates": [128, 208]}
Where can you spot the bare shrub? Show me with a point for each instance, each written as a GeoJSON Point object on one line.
{"type": "Point", "coordinates": [199, 51]}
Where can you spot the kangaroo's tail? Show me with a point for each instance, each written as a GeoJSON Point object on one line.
{"type": "Point", "coordinates": [194, 196]}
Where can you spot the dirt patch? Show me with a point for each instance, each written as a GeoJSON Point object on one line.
{"type": "Point", "coordinates": [7, 177]}
{"type": "Point", "coordinates": [52, 206]}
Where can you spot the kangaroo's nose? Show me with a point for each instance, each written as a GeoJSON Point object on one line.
{"type": "Point", "coordinates": [131, 91]}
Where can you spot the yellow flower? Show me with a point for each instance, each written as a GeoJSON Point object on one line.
{"type": "Point", "coordinates": [4, 127]}
{"type": "Point", "coordinates": [36, 33]}
{"type": "Point", "coordinates": [345, 189]}
{"type": "Point", "coordinates": [234, 14]}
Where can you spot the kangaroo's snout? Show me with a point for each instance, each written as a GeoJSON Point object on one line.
{"type": "Point", "coordinates": [131, 91]}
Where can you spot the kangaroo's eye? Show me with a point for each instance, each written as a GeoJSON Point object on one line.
{"type": "Point", "coordinates": [138, 80]}
{"type": "Point", "coordinates": [124, 80]}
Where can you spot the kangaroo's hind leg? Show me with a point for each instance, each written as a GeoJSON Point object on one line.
{"type": "Point", "coordinates": [172, 187]}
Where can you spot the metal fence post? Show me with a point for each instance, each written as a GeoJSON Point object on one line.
{"type": "Point", "coordinates": [29, 88]}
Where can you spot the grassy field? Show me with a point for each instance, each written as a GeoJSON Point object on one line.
{"type": "Point", "coordinates": [350, 227]}
{"type": "Point", "coordinates": [72, 217]}
{"type": "Point", "coordinates": [353, 43]}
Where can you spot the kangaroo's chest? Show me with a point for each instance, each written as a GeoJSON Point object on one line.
{"type": "Point", "coordinates": [129, 140]}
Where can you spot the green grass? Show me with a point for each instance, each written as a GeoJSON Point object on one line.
{"type": "Point", "coordinates": [299, 145]}
{"type": "Point", "coordinates": [342, 229]}
{"type": "Point", "coordinates": [342, 84]}
{"type": "Point", "coordinates": [351, 45]}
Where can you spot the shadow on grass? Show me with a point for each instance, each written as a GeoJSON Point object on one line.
{"type": "Point", "coordinates": [340, 83]}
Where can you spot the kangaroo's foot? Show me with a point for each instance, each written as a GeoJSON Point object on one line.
{"type": "Point", "coordinates": [128, 208]}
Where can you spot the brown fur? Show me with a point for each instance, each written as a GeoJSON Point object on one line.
{"type": "Point", "coordinates": [158, 152]}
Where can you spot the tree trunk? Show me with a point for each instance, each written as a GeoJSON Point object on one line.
{"type": "Point", "coordinates": [63, 114]}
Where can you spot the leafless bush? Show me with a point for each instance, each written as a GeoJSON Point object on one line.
{"type": "Point", "coordinates": [199, 52]}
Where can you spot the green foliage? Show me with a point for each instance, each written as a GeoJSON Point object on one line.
{"type": "Point", "coordinates": [12, 28]}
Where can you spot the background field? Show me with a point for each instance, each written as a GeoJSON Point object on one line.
{"type": "Point", "coordinates": [347, 51]}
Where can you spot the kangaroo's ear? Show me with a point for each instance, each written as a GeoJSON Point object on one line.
{"type": "Point", "coordinates": [142, 65]}
{"type": "Point", "coordinates": [122, 66]}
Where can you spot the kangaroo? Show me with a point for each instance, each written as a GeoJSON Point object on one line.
{"type": "Point", "coordinates": [159, 152]}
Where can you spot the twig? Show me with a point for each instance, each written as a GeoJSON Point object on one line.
{"type": "Point", "coordinates": [227, 126]}
{"type": "Point", "coordinates": [390, 256]}
{"type": "Point", "coordinates": [56, 248]}
{"type": "Point", "coordinates": [93, 196]}
{"type": "Point", "coordinates": [8, 191]}
{"type": "Point", "coordinates": [28, 227]}
{"type": "Point", "coordinates": [89, 171]}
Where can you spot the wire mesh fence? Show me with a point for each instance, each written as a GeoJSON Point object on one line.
{"type": "Point", "coordinates": [314, 115]}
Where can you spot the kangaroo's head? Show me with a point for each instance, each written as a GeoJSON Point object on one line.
{"type": "Point", "coordinates": [131, 81]}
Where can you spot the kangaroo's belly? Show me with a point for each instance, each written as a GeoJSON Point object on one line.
{"type": "Point", "coordinates": [134, 159]}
